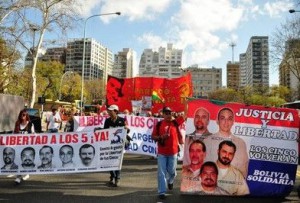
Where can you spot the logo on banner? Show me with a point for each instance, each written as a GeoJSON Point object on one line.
{"type": "Point", "coordinates": [116, 139]}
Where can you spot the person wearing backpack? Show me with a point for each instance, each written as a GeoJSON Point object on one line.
{"type": "Point", "coordinates": [167, 135]}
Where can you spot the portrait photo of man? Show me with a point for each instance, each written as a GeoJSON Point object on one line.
{"type": "Point", "coordinates": [66, 154]}
{"type": "Point", "coordinates": [190, 173]}
{"type": "Point", "coordinates": [87, 154]}
{"type": "Point", "coordinates": [209, 180]}
{"type": "Point", "coordinates": [46, 155]}
{"type": "Point", "coordinates": [9, 159]}
{"type": "Point", "coordinates": [27, 158]}
{"type": "Point", "coordinates": [201, 122]}
{"type": "Point", "coordinates": [230, 178]}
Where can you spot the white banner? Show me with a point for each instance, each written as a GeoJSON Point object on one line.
{"type": "Point", "coordinates": [70, 152]}
{"type": "Point", "coordinates": [140, 131]}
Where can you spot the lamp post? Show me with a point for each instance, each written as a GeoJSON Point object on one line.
{"type": "Point", "coordinates": [33, 28]}
{"type": "Point", "coordinates": [83, 55]}
{"type": "Point", "coordinates": [293, 11]}
{"type": "Point", "coordinates": [59, 98]}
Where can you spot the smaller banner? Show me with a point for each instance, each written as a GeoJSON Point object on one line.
{"type": "Point", "coordinates": [140, 131]}
{"type": "Point", "coordinates": [53, 153]}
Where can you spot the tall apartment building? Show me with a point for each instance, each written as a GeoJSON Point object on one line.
{"type": "Point", "coordinates": [123, 64]}
{"type": "Point", "coordinates": [205, 80]}
{"type": "Point", "coordinates": [233, 75]}
{"type": "Point", "coordinates": [288, 74]}
{"type": "Point", "coordinates": [254, 64]}
{"type": "Point", "coordinates": [98, 62]}
{"type": "Point", "coordinates": [54, 54]}
{"type": "Point", "coordinates": [167, 62]}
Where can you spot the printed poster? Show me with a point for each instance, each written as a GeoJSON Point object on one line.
{"type": "Point", "coordinates": [236, 149]}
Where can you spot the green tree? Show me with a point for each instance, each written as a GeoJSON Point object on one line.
{"type": "Point", "coordinates": [8, 60]}
{"type": "Point", "coordinates": [94, 90]}
{"type": "Point", "coordinates": [48, 79]}
{"type": "Point", "coordinates": [71, 87]}
{"type": "Point", "coordinates": [228, 95]}
{"type": "Point", "coordinates": [50, 15]}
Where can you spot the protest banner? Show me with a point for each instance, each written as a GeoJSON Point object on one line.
{"type": "Point", "coordinates": [70, 152]}
{"type": "Point", "coordinates": [250, 150]}
{"type": "Point", "coordinates": [121, 91]}
{"type": "Point", "coordinates": [140, 131]}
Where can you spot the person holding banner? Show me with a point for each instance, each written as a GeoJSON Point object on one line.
{"type": "Point", "coordinates": [24, 126]}
{"type": "Point", "coordinates": [225, 122]}
{"type": "Point", "coordinates": [190, 173]}
{"type": "Point", "coordinates": [114, 121]}
{"type": "Point", "coordinates": [167, 134]}
{"type": "Point", "coordinates": [230, 178]}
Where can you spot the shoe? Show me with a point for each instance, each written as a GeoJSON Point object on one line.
{"type": "Point", "coordinates": [117, 182]}
{"type": "Point", "coordinates": [18, 181]}
{"type": "Point", "coordinates": [162, 196]}
{"type": "Point", "coordinates": [170, 186]}
{"type": "Point", "coordinates": [26, 177]}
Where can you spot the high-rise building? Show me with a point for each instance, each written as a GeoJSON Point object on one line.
{"type": "Point", "coordinates": [233, 75]}
{"type": "Point", "coordinates": [254, 64]}
{"type": "Point", "coordinates": [167, 62]}
{"type": "Point", "coordinates": [54, 54]}
{"type": "Point", "coordinates": [123, 65]}
{"type": "Point", "coordinates": [98, 60]}
{"type": "Point", "coordinates": [289, 66]}
{"type": "Point", "coordinates": [205, 80]}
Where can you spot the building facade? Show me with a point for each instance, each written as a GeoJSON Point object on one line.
{"type": "Point", "coordinates": [98, 62]}
{"type": "Point", "coordinates": [167, 62]}
{"type": "Point", "coordinates": [254, 64]}
{"type": "Point", "coordinates": [55, 54]}
{"type": "Point", "coordinates": [233, 75]}
{"type": "Point", "coordinates": [205, 80]}
{"type": "Point", "coordinates": [124, 64]}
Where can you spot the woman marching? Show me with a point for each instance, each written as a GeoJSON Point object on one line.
{"type": "Point", "coordinates": [23, 126]}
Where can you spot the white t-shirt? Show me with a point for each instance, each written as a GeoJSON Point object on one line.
{"type": "Point", "coordinates": [52, 123]}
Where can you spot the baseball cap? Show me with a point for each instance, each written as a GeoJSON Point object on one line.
{"type": "Point", "coordinates": [167, 109]}
{"type": "Point", "coordinates": [113, 107]}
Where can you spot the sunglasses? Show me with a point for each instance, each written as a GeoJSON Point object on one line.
{"type": "Point", "coordinates": [167, 113]}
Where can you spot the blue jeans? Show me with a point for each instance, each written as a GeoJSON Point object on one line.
{"type": "Point", "coordinates": [166, 171]}
{"type": "Point", "coordinates": [53, 130]}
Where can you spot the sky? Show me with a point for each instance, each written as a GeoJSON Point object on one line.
{"type": "Point", "coordinates": [202, 28]}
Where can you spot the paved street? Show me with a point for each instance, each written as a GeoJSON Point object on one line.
{"type": "Point", "coordinates": [138, 184]}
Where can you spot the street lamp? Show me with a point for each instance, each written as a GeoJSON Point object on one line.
{"type": "Point", "coordinates": [33, 28]}
{"type": "Point", "coordinates": [59, 98]}
{"type": "Point", "coordinates": [83, 55]}
{"type": "Point", "coordinates": [293, 11]}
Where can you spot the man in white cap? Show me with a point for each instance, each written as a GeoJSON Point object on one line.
{"type": "Point", "coordinates": [112, 122]}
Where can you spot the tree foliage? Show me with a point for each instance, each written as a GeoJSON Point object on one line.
{"type": "Point", "coordinates": [285, 49]}
{"type": "Point", "coordinates": [8, 59]}
{"type": "Point", "coordinates": [23, 19]}
{"type": "Point", "coordinates": [274, 96]}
